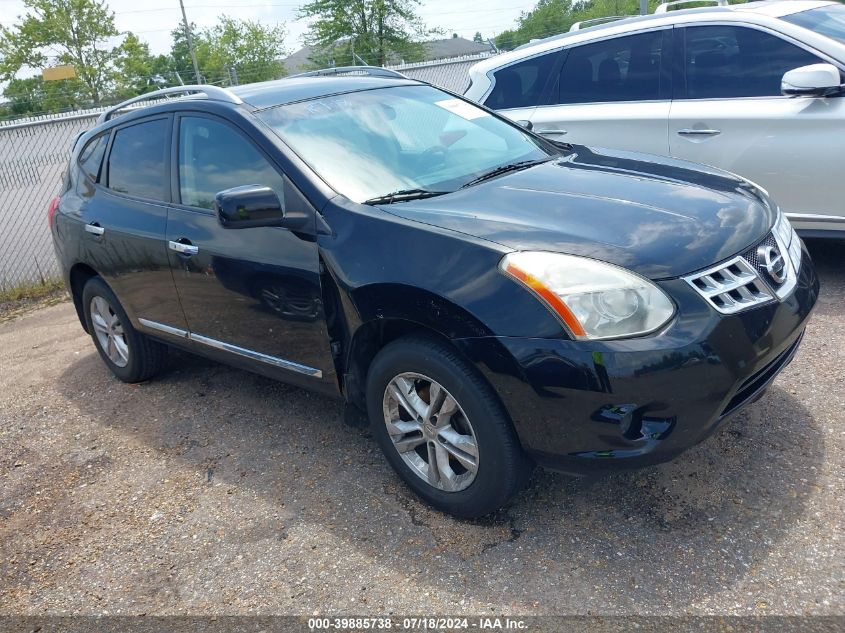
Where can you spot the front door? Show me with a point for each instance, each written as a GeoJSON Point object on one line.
{"type": "Point", "coordinates": [732, 115]}
{"type": "Point", "coordinates": [248, 293]}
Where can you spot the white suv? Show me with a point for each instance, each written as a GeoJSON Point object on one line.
{"type": "Point", "coordinates": [753, 88]}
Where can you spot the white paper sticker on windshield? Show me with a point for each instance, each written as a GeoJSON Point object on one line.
{"type": "Point", "coordinates": [462, 109]}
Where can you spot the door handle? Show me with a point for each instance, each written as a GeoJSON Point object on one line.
{"type": "Point", "coordinates": [183, 247]}
{"type": "Point", "coordinates": [550, 132]}
{"type": "Point", "coordinates": [696, 132]}
{"type": "Point", "coordinates": [94, 228]}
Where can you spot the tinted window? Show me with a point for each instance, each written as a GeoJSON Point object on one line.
{"type": "Point", "coordinates": [91, 156]}
{"type": "Point", "coordinates": [730, 61]}
{"type": "Point", "coordinates": [521, 85]}
{"type": "Point", "coordinates": [214, 157]}
{"type": "Point", "coordinates": [829, 21]}
{"type": "Point", "coordinates": [137, 163]}
{"type": "Point", "coordinates": [618, 69]}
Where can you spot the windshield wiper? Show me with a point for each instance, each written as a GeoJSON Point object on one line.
{"type": "Point", "coordinates": [403, 195]}
{"type": "Point", "coordinates": [503, 169]}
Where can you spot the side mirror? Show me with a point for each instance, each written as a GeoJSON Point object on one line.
{"type": "Point", "coordinates": [248, 206]}
{"type": "Point", "coordinates": [815, 80]}
{"type": "Point", "coordinates": [525, 123]}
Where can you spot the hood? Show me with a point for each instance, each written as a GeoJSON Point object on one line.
{"type": "Point", "coordinates": [653, 215]}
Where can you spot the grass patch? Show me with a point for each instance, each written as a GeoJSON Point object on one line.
{"type": "Point", "coordinates": [27, 297]}
{"type": "Point", "coordinates": [31, 291]}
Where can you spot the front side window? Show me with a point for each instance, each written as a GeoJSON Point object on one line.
{"type": "Point", "coordinates": [374, 142]}
{"type": "Point", "coordinates": [618, 69]}
{"type": "Point", "coordinates": [733, 61]}
{"type": "Point", "coordinates": [521, 85]}
{"type": "Point", "coordinates": [828, 21]}
{"type": "Point", "coordinates": [137, 163]}
{"type": "Point", "coordinates": [91, 156]}
{"type": "Point", "coordinates": [213, 157]}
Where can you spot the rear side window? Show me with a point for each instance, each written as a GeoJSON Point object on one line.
{"type": "Point", "coordinates": [91, 156]}
{"type": "Point", "coordinates": [619, 69]}
{"type": "Point", "coordinates": [724, 62]}
{"type": "Point", "coordinates": [214, 157]}
{"type": "Point", "coordinates": [521, 85]}
{"type": "Point", "coordinates": [137, 163]}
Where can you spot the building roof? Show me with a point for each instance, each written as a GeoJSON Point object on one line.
{"type": "Point", "coordinates": [305, 58]}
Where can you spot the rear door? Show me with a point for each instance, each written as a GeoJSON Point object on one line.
{"type": "Point", "coordinates": [519, 88]}
{"type": "Point", "coordinates": [125, 220]}
{"type": "Point", "coordinates": [611, 93]}
{"type": "Point", "coordinates": [250, 293]}
{"type": "Point", "coordinates": [729, 112]}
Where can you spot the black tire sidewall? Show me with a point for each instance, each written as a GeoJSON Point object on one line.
{"type": "Point", "coordinates": [96, 287]}
{"type": "Point", "coordinates": [501, 462]}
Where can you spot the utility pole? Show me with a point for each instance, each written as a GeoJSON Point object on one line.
{"type": "Point", "coordinates": [643, 7]}
{"type": "Point", "coordinates": [190, 42]}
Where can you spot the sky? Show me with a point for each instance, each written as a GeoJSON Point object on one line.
{"type": "Point", "coordinates": [153, 22]}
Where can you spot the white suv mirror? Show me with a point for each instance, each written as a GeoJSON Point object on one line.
{"type": "Point", "coordinates": [815, 80]}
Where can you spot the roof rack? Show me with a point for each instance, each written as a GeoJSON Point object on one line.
{"type": "Point", "coordinates": [664, 8]}
{"type": "Point", "coordinates": [214, 93]}
{"type": "Point", "coordinates": [373, 71]}
{"type": "Point", "coordinates": [594, 21]}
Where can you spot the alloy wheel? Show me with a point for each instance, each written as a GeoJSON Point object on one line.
{"type": "Point", "coordinates": [109, 332]}
{"type": "Point", "coordinates": [431, 432]}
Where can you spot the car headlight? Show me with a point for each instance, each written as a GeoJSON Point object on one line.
{"type": "Point", "coordinates": [788, 239]}
{"type": "Point", "coordinates": [593, 299]}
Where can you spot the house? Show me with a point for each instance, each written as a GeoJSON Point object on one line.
{"type": "Point", "coordinates": [307, 57]}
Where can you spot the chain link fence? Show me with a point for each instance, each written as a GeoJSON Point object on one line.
{"type": "Point", "coordinates": [33, 158]}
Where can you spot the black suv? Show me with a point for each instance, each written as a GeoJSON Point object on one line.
{"type": "Point", "coordinates": [492, 300]}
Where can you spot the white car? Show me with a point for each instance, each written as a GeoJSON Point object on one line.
{"type": "Point", "coordinates": [755, 89]}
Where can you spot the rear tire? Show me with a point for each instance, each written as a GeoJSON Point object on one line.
{"type": "Point", "coordinates": [462, 455]}
{"type": "Point", "coordinates": [130, 355]}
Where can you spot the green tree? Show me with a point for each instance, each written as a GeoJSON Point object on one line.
{"type": "Point", "coordinates": [551, 17]}
{"type": "Point", "coordinates": [135, 69]}
{"type": "Point", "coordinates": [34, 95]}
{"type": "Point", "coordinates": [245, 49]}
{"type": "Point", "coordinates": [478, 38]}
{"type": "Point", "coordinates": [375, 30]}
{"type": "Point", "coordinates": [52, 32]}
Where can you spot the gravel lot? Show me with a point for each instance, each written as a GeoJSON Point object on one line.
{"type": "Point", "coordinates": [211, 490]}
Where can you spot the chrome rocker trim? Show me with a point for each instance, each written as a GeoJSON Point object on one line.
{"type": "Point", "coordinates": [234, 349]}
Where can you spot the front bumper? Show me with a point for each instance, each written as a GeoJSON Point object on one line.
{"type": "Point", "coordinates": [581, 406]}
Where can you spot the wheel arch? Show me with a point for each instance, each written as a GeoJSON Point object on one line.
{"type": "Point", "coordinates": [387, 312]}
{"type": "Point", "coordinates": [78, 276]}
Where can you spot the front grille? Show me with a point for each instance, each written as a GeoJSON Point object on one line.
{"type": "Point", "coordinates": [744, 282]}
{"type": "Point", "coordinates": [731, 287]}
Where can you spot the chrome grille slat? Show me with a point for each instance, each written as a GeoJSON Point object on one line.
{"type": "Point", "coordinates": [732, 286]}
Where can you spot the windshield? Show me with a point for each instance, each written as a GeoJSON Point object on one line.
{"type": "Point", "coordinates": [829, 21]}
{"type": "Point", "coordinates": [373, 143]}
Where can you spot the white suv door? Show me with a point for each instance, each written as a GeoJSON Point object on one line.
{"type": "Point", "coordinates": [611, 93]}
{"type": "Point", "coordinates": [729, 112]}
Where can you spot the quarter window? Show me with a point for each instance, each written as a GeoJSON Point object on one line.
{"type": "Point", "coordinates": [521, 85]}
{"type": "Point", "coordinates": [729, 61]}
{"type": "Point", "coordinates": [91, 156]}
{"type": "Point", "coordinates": [214, 157]}
{"type": "Point", "coordinates": [137, 162]}
{"type": "Point", "coordinates": [619, 69]}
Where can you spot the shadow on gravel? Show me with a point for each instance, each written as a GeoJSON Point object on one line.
{"type": "Point", "coordinates": [663, 537]}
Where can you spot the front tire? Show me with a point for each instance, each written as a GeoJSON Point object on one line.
{"type": "Point", "coordinates": [130, 355]}
{"type": "Point", "coordinates": [442, 428]}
